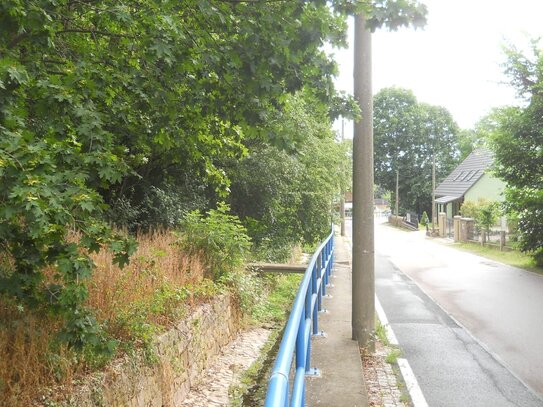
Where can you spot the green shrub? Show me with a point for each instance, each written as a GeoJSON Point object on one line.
{"type": "Point", "coordinates": [484, 212]}
{"type": "Point", "coordinates": [469, 209]}
{"type": "Point", "coordinates": [537, 255]}
{"type": "Point", "coordinates": [488, 215]}
{"type": "Point", "coordinates": [249, 288]}
{"type": "Point", "coordinates": [163, 206]}
{"type": "Point", "coordinates": [424, 220]}
{"type": "Point", "coordinates": [219, 237]}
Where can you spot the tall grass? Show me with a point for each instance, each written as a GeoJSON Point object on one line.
{"type": "Point", "coordinates": [157, 280]}
{"type": "Point", "coordinates": [132, 303]}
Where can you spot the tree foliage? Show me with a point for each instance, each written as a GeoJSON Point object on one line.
{"type": "Point", "coordinates": [481, 133]}
{"type": "Point", "coordinates": [407, 134]}
{"type": "Point", "coordinates": [484, 212]}
{"type": "Point", "coordinates": [285, 195]}
{"type": "Point", "coordinates": [103, 100]}
{"type": "Point", "coordinates": [518, 148]}
{"type": "Point", "coordinates": [134, 111]}
{"type": "Point", "coordinates": [391, 14]}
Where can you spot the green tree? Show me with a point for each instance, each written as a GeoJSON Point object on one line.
{"type": "Point", "coordinates": [103, 101]}
{"type": "Point", "coordinates": [285, 195]}
{"type": "Point", "coordinates": [518, 148]}
{"type": "Point", "coordinates": [469, 140]}
{"type": "Point", "coordinates": [129, 106]}
{"type": "Point", "coordinates": [407, 134]}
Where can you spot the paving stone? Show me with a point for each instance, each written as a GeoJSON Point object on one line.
{"type": "Point", "coordinates": [381, 381]}
{"type": "Point", "coordinates": [235, 358]}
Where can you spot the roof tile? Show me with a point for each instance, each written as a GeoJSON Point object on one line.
{"type": "Point", "coordinates": [466, 174]}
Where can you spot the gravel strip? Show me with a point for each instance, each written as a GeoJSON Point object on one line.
{"type": "Point", "coordinates": [235, 358]}
{"type": "Point", "coordinates": [381, 380]}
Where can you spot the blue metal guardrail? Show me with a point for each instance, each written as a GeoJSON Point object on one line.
{"type": "Point", "coordinates": [301, 325]}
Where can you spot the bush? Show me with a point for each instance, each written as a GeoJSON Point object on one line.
{"type": "Point", "coordinates": [484, 212]}
{"type": "Point", "coordinates": [469, 209]}
{"type": "Point", "coordinates": [154, 207]}
{"type": "Point", "coordinates": [424, 220]}
{"type": "Point", "coordinates": [219, 237]}
{"type": "Point", "coordinates": [222, 241]}
{"type": "Point", "coordinates": [537, 255]}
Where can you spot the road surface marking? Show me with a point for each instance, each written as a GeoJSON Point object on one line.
{"type": "Point", "coordinates": [384, 322]}
{"type": "Point", "coordinates": [411, 383]}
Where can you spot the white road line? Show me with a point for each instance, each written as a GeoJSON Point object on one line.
{"type": "Point", "coordinates": [411, 383]}
{"type": "Point", "coordinates": [408, 376]}
{"type": "Point", "coordinates": [384, 322]}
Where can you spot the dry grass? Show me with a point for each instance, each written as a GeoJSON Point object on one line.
{"type": "Point", "coordinates": [153, 290]}
{"type": "Point", "coordinates": [157, 267]}
{"type": "Point", "coordinates": [24, 340]}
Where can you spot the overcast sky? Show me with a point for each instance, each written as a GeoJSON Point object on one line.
{"type": "Point", "coordinates": [455, 60]}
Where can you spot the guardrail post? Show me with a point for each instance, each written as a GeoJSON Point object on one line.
{"type": "Point", "coordinates": [307, 361]}
{"type": "Point", "coordinates": [333, 256]}
{"type": "Point", "coordinates": [301, 353]}
{"type": "Point", "coordinates": [329, 263]}
{"type": "Point", "coordinates": [311, 317]}
{"type": "Point", "coordinates": [318, 265]}
{"type": "Point", "coordinates": [315, 291]}
{"type": "Point", "coordinates": [321, 289]}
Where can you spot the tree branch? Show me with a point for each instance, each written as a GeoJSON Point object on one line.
{"type": "Point", "coordinates": [94, 32]}
{"type": "Point", "coordinates": [17, 39]}
{"type": "Point", "coordinates": [252, 1]}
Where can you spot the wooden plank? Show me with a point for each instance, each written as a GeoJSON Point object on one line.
{"type": "Point", "coordinates": [277, 267]}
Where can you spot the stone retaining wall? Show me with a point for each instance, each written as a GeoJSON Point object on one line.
{"type": "Point", "coordinates": [178, 358]}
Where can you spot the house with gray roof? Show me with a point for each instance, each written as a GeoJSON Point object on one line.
{"type": "Point", "coordinates": [470, 181]}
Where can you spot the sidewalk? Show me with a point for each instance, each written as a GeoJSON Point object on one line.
{"type": "Point", "coordinates": [337, 355]}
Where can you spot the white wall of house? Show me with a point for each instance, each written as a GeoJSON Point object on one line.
{"type": "Point", "coordinates": [487, 187]}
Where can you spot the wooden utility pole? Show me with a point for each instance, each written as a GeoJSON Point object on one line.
{"type": "Point", "coordinates": [397, 193]}
{"type": "Point", "coordinates": [433, 194]}
{"type": "Point", "coordinates": [363, 307]}
{"type": "Point", "coordinates": [342, 199]}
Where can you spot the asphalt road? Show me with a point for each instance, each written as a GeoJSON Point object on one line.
{"type": "Point", "coordinates": [470, 328]}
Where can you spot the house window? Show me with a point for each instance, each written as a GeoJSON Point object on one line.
{"type": "Point", "coordinates": [459, 175]}
{"type": "Point", "coordinates": [469, 175]}
{"type": "Point", "coordinates": [472, 175]}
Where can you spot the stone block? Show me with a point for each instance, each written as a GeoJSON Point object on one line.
{"type": "Point", "coordinates": [466, 229]}
{"type": "Point", "coordinates": [183, 353]}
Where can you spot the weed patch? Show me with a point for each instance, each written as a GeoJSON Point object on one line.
{"type": "Point", "coordinates": [282, 289]}
{"type": "Point", "coordinates": [132, 305]}
{"type": "Point", "coordinates": [381, 333]}
{"type": "Point", "coordinates": [272, 311]}
{"type": "Point", "coordinates": [392, 356]}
